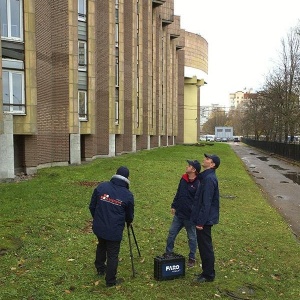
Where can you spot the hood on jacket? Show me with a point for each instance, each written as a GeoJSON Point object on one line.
{"type": "Point", "coordinates": [121, 178]}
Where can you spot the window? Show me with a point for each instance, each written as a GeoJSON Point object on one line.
{"type": "Point", "coordinates": [82, 61]}
{"type": "Point", "coordinates": [117, 72]}
{"type": "Point", "coordinates": [11, 19]}
{"type": "Point", "coordinates": [117, 92]}
{"type": "Point", "coordinates": [82, 105]}
{"type": "Point", "coordinates": [13, 91]}
{"type": "Point", "coordinates": [82, 10]}
{"type": "Point", "coordinates": [117, 34]}
{"type": "Point", "coordinates": [117, 108]}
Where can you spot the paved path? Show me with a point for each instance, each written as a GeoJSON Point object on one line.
{"type": "Point", "coordinates": [278, 179]}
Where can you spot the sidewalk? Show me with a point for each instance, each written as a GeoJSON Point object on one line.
{"type": "Point", "coordinates": [278, 179]}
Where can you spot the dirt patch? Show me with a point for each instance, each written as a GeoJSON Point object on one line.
{"type": "Point", "coordinates": [88, 227]}
{"type": "Point", "coordinates": [89, 183]}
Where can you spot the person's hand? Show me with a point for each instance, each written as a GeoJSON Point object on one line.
{"type": "Point", "coordinates": [199, 227]}
{"type": "Point", "coordinates": [173, 210]}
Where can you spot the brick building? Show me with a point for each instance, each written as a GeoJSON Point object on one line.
{"type": "Point", "coordinates": [82, 79]}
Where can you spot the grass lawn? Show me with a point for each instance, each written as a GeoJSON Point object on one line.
{"type": "Point", "coordinates": [47, 248]}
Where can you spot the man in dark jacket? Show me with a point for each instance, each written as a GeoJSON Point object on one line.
{"type": "Point", "coordinates": [112, 205]}
{"type": "Point", "coordinates": [205, 214]}
{"type": "Point", "coordinates": [181, 208]}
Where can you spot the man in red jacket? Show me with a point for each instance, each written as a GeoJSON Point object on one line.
{"type": "Point", "coordinates": [181, 208]}
{"type": "Point", "coordinates": [111, 206]}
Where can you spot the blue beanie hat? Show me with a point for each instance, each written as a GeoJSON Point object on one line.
{"type": "Point", "coordinates": [123, 171]}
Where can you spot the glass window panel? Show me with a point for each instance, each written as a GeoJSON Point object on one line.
{"type": "Point", "coordinates": [5, 82]}
{"type": "Point", "coordinates": [3, 16]}
{"type": "Point", "coordinates": [15, 8]}
{"type": "Point", "coordinates": [11, 19]}
{"type": "Point", "coordinates": [82, 9]}
{"type": "Point", "coordinates": [12, 64]}
{"type": "Point", "coordinates": [82, 104]}
{"type": "Point", "coordinates": [81, 6]}
{"type": "Point", "coordinates": [82, 30]}
{"type": "Point", "coordinates": [117, 33]}
{"type": "Point", "coordinates": [82, 53]}
{"type": "Point", "coordinates": [13, 91]}
{"type": "Point", "coordinates": [117, 105]}
{"type": "Point", "coordinates": [82, 80]}
{"type": "Point", "coordinates": [117, 15]}
{"type": "Point", "coordinates": [17, 88]}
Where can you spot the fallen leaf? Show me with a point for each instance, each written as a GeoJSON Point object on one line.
{"type": "Point", "coordinates": [275, 276]}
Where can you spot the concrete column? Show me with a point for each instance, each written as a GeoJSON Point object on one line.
{"type": "Point", "coordinates": [7, 165]}
{"type": "Point", "coordinates": [112, 145]}
{"type": "Point", "coordinates": [133, 143]}
{"type": "Point", "coordinates": [148, 142]}
{"type": "Point", "coordinates": [75, 149]}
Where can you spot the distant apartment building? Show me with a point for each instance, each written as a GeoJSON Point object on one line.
{"type": "Point", "coordinates": [205, 112]}
{"type": "Point", "coordinates": [238, 98]}
{"type": "Point", "coordinates": [90, 78]}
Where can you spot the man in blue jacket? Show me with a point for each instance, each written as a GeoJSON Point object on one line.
{"type": "Point", "coordinates": [205, 214]}
{"type": "Point", "coordinates": [111, 206]}
{"type": "Point", "coordinates": [181, 208]}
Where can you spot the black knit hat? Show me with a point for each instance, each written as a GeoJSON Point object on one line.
{"type": "Point", "coordinates": [123, 171]}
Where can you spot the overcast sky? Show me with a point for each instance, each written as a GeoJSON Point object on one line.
{"type": "Point", "coordinates": [243, 38]}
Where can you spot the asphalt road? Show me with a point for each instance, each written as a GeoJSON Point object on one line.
{"type": "Point", "coordinates": [278, 178]}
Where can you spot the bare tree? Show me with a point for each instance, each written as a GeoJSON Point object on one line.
{"type": "Point", "coordinates": [218, 117]}
{"type": "Point", "coordinates": [274, 112]}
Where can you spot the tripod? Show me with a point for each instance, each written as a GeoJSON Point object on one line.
{"type": "Point", "coordinates": [130, 247]}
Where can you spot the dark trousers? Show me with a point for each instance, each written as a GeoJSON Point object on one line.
{"type": "Point", "coordinates": [107, 259]}
{"type": "Point", "coordinates": [206, 251]}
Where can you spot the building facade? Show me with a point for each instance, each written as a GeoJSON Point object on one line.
{"type": "Point", "coordinates": [82, 79]}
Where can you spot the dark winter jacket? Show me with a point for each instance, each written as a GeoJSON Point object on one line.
{"type": "Point", "coordinates": [184, 198]}
{"type": "Point", "coordinates": [207, 203]}
{"type": "Point", "coordinates": [112, 204]}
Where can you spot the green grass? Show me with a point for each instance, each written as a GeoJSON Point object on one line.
{"type": "Point", "coordinates": [47, 250]}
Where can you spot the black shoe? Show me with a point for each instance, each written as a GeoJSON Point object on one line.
{"type": "Point", "coordinates": [168, 255]}
{"type": "Point", "coordinates": [117, 282]}
{"type": "Point", "coordinates": [202, 279]}
{"type": "Point", "coordinates": [101, 273]}
{"type": "Point", "coordinates": [191, 262]}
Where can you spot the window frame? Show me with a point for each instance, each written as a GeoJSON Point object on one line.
{"type": "Point", "coordinates": [9, 25]}
{"type": "Point", "coordinates": [85, 114]}
{"type": "Point", "coordinates": [117, 106]}
{"type": "Point", "coordinates": [82, 15]}
{"type": "Point", "coordinates": [82, 67]}
{"type": "Point", "coordinates": [11, 103]}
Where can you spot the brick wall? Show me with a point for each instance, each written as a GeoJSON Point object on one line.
{"type": "Point", "coordinates": [102, 77]}
{"type": "Point", "coordinates": [180, 136]}
{"type": "Point", "coordinates": [128, 76]}
{"type": "Point", "coordinates": [52, 142]}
